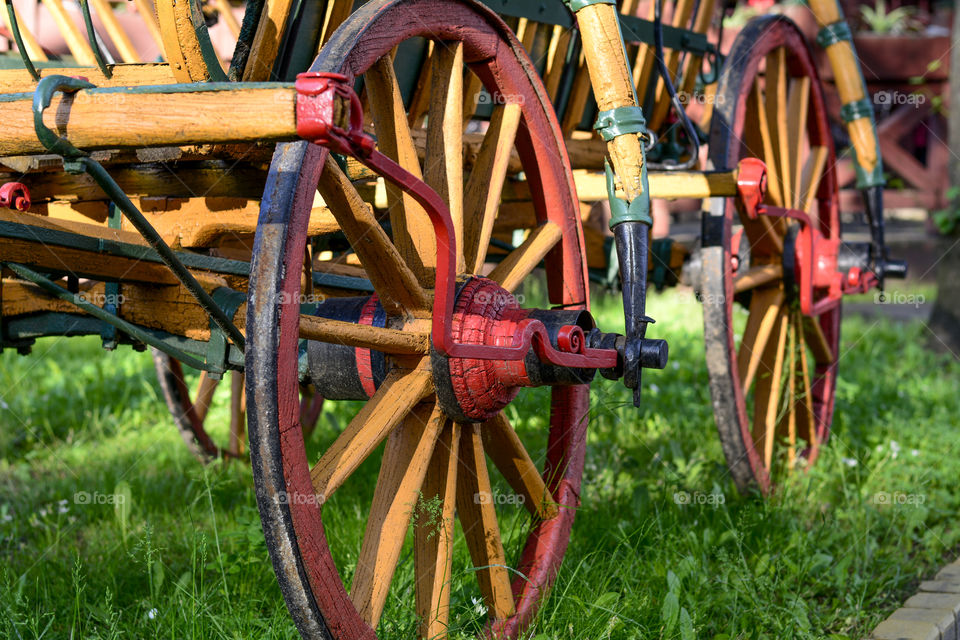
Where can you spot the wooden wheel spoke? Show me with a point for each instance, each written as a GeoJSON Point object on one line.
{"type": "Point", "coordinates": [472, 88]}
{"type": "Point", "coordinates": [813, 172]}
{"type": "Point", "coordinates": [776, 112]}
{"type": "Point", "coordinates": [766, 397]}
{"type": "Point", "coordinates": [396, 284]}
{"type": "Point", "coordinates": [204, 396]}
{"type": "Point", "coordinates": [799, 104]}
{"type": "Point", "coordinates": [805, 415]}
{"type": "Point", "coordinates": [787, 423]}
{"type": "Point", "coordinates": [399, 393]}
{"type": "Point", "coordinates": [351, 334]}
{"type": "Point", "coordinates": [478, 516]}
{"type": "Point", "coordinates": [443, 168]}
{"type": "Point", "coordinates": [760, 276]}
{"type": "Point", "coordinates": [765, 306]}
{"type": "Point", "coordinates": [511, 458]}
{"type": "Point", "coordinates": [757, 106]}
{"type": "Point", "coordinates": [485, 186]}
{"type": "Point", "coordinates": [402, 472]}
{"type": "Point", "coordinates": [238, 413]}
{"type": "Point", "coordinates": [412, 231]}
{"type": "Point", "coordinates": [521, 262]}
{"type": "Point", "coordinates": [433, 535]}
{"type": "Point", "coordinates": [816, 339]}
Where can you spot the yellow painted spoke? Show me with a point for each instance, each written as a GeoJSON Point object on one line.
{"type": "Point", "coordinates": [766, 396]}
{"type": "Point", "coordinates": [351, 334]}
{"type": "Point", "coordinates": [402, 472]}
{"type": "Point", "coordinates": [205, 389]}
{"type": "Point", "coordinates": [484, 188]}
{"type": "Point", "coordinates": [776, 112]}
{"type": "Point", "coordinates": [799, 104]}
{"type": "Point", "coordinates": [478, 516]}
{"type": "Point", "coordinates": [816, 339]}
{"type": "Point", "coordinates": [443, 168]}
{"type": "Point", "coordinates": [399, 393]}
{"type": "Point", "coordinates": [765, 305]}
{"type": "Point", "coordinates": [760, 276]}
{"type": "Point", "coordinates": [433, 535]}
{"type": "Point", "coordinates": [511, 458]}
{"type": "Point", "coordinates": [520, 262]}
{"type": "Point", "coordinates": [396, 284]}
{"type": "Point", "coordinates": [412, 231]}
{"type": "Point", "coordinates": [813, 172]}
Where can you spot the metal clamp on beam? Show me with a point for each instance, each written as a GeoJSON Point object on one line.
{"type": "Point", "coordinates": [620, 121]}
{"type": "Point", "coordinates": [576, 5]}
{"type": "Point", "coordinates": [856, 110]}
{"type": "Point", "coordinates": [831, 34]}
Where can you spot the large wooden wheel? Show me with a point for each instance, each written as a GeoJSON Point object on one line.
{"type": "Point", "coordinates": [189, 410]}
{"type": "Point", "coordinates": [773, 379]}
{"type": "Point", "coordinates": [429, 457]}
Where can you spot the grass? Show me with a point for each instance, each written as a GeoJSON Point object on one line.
{"type": "Point", "coordinates": [109, 529]}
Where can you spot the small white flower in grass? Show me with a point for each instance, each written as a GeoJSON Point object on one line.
{"type": "Point", "coordinates": [654, 388]}
{"type": "Point", "coordinates": [850, 462]}
{"type": "Point", "coordinates": [894, 449]}
{"type": "Point", "coordinates": [6, 517]}
{"type": "Point", "coordinates": [879, 448]}
{"type": "Point", "coordinates": [479, 606]}
{"type": "Point", "coordinates": [914, 452]}
{"type": "Point", "coordinates": [3, 404]}
{"type": "Point", "coordinates": [152, 613]}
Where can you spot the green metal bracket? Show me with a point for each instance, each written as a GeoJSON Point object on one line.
{"type": "Point", "coordinates": [218, 349]}
{"type": "Point", "coordinates": [620, 121]}
{"type": "Point", "coordinates": [855, 110]}
{"type": "Point", "coordinates": [576, 5]}
{"type": "Point", "coordinates": [831, 34]}
{"type": "Point", "coordinates": [79, 162]}
{"type": "Point", "coordinates": [620, 209]}
{"type": "Point", "coordinates": [18, 38]}
{"type": "Point", "coordinates": [92, 37]}
{"type": "Point", "coordinates": [111, 290]}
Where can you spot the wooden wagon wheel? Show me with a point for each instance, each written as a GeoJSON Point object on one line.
{"type": "Point", "coordinates": [189, 411]}
{"type": "Point", "coordinates": [428, 456]}
{"type": "Point", "coordinates": [773, 387]}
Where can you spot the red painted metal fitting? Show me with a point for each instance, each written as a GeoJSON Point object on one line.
{"type": "Point", "coordinates": [15, 195]}
{"type": "Point", "coordinates": [751, 186]}
{"type": "Point", "coordinates": [324, 117]}
{"type": "Point", "coordinates": [853, 277]}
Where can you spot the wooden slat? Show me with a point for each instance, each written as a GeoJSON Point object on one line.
{"type": "Point", "coordinates": [76, 41]}
{"type": "Point", "coordinates": [443, 169]}
{"type": "Point", "coordinates": [128, 53]}
{"type": "Point", "coordinates": [396, 284]}
{"type": "Point", "coordinates": [765, 306]}
{"type": "Point", "coordinates": [412, 231]}
{"type": "Point", "coordinates": [472, 89]}
{"type": "Point", "coordinates": [204, 396]}
{"type": "Point", "coordinates": [266, 42]}
{"type": "Point", "coordinates": [225, 11]}
{"type": "Point", "coordinates": [776, 112]}
{"type": "Point", "coordinates": [577, 101]}
{"type": "Point", "coordinates": [766, 395]}
{"type": "Point", "coordinates": [405, 460]}
{"type": "Point", "coordinates": [524, 259]}
{"type": "Point", "coordinates": [149, 14]}
{"type": "Point", "coordinates": [485, 185]}
{"type": "Point", "coordinates": [181, 44]}
{"type": "Point", "coordinates": [238, 413]}
{"type": "Point", "coordinates": [433, 535]}
{"type": "Point", "coordinates": [34, 50]}
{"type": "Point", "coordinates": [124, 75]}
{"type": "Point", "coordinates": [556, 60]}
{"type": "Point", "coordinates": [399, 393]}
{"type": "Point", "coordinates": [511, 458]}
{"type": "Point", "coordinates": [757, 106]}
{"type": "Point", "coordinates": [475, 508]}
{"type": "Point", "coordinates": [787, 423]}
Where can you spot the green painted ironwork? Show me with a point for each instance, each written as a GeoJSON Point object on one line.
{"type": "Point", "coordinates": [831, 34]}
{"type": "Point", "coordinates": [207, 52]}
{"type": "Point", "coordinates": [92, 37]}
{"type": "Point", "coordinates": [577, 5]}
{"type": "Point", "coordinates": [218, 348]}
{"type": "Point", "coordinates": [76, 299]}
{"type": "Point", "coordinates": [18, 38]}
{"type": "Point", "coordinates": [857, 109]}
{"type": "Point", "coordinates": [638, 210]}
{"type": "Point", "coordinates": [620, 121]}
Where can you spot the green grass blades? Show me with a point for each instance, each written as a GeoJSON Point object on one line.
{"type": "Point", "coordinates": [110, 529]}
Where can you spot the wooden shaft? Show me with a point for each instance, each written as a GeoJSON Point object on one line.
{"type": "Point", "coordinates": [124, 75]}
{"type": "Point", "coordinates": [77, 44]}
{"type": "Point", "coordinates": [393, 341]}
{"type": "Point", "coordinates": [93, 119]}
{"type": "Point", "coordinates": [119, 37]}
{"type": "Point", "coordinates": [666, 185]}
{"type": "Point", "coordinates": [612, 87]}
{"type": "Point", "coordinates": [850, 84]}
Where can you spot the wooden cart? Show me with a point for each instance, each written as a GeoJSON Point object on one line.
{"type": "Point", "coordinates": [346, 212]}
